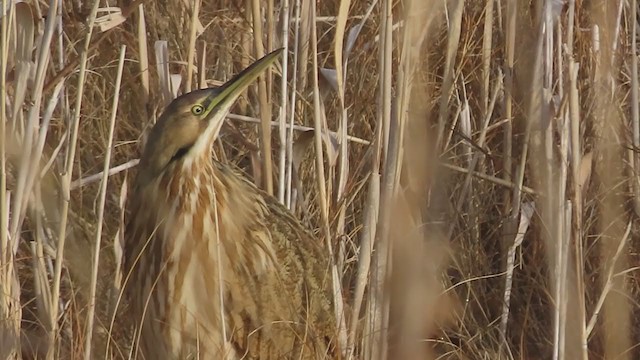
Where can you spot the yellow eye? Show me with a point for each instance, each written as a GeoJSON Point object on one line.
{"type": "Point", "coordinates": [197, 110]}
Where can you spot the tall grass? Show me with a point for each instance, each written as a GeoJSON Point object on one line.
{"type": "Point", "coordinates": [473, 173]}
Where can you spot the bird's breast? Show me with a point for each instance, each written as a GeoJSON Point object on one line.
{"type": "Point", "coordinates": [215, 259]}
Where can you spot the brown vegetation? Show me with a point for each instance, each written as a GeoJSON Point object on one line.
{"type": "Point", "coordinates": [484, 206]}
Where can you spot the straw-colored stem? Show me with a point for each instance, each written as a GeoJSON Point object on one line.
{"type": "Point", "coordinates": [265, 108]}
{"type": "Point", "coordinates": [66, 181]}
{"type": "Point", "coordinates": [320, 175]}
{"type": "Point", "coordinates": [101, 205]}
{"type": "Point", "coordinates": [282, 118]}
{"type": "Point", "coordinates": [191, 52]}
{"type": "Point", "coordinates": [292, 112]}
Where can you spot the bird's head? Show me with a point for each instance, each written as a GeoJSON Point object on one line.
{"type": "Point", "coordinates": [191, 122]}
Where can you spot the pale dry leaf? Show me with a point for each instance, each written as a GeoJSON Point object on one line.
{"type": "Point", "coordinates": [331, 77]}
{"type": "Point", "coordinates": [199, 28]}
{"type": "Point", "coordinates": [256, 166]}
{"type": "Point", "coordinates": [355, 30]}
{"type": "Point", "coordinates": [111, 19]}
{"type": "Point", "coordinates": [175, 79]}
{"type": "Point", "coordinates": [143, 50]}
{"type": "Point", "coordinates": [341, 24]}
{"type": "Point", "coordinates": [118, 241]}
{"type": "Point", "coordinates": [162, 67]}
{"type": "Point", "coordinates": [25, 23]}
{"type": "Point", "coordinates": [526, 213]}
{"type": "Point", "coordinates": [332, 146]}
{"type": "Point", "coordinates": [584, 171]}
{"type": "Point", "coordinates": [23, 54]}
{"type": "Point", "coordinates": [24, 71]}
{"type": "Point", "coordinates": [351, 39]}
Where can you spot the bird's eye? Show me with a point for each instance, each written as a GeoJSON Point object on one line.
{"type": "Point", "coordinates": [197, 110]}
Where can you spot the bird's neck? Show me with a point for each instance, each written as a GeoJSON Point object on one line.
{"type": "Point", "coordinates": [202, 184]}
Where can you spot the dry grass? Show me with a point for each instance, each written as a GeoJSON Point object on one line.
{"type": "Point", "coordinates": [474, 168]}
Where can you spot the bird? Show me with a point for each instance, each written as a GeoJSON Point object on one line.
{"type": "Point", "coordinates": [216, 268]}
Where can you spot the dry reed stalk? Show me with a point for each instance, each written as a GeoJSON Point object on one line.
{"type": "Point", "coordinates": [292, 112]}
{"type": "Point", "coordinates": [283, 154]}
{"type": "Point", "coordinates": [101, 209]}
{"type": "Point", "coordinates": [191, 50]}
{"type": "Point", "coordinates": [634, 157]}
{"type": "Point", "coordinates": [487, 46]}
{"type": "Point", "coordinates": [577, 185]}
{"type": "Point", "coordinates": [323, 199]}
{"type": "Point", "coordinates": [616, 319]}
{"type": "Point", "coordinates": [343, 154]}
{"type": "Point", "coordinates": [143, 50]}
{"type": "Point", "coordinates": [453, 40]}
{"type": "Point", "coordinates": [66, 182]}
{"type": "Point", "coordinates": [375, 344]}
{"type": "Point", "coordinates": [265, 106]}
{"type": "Point", "coordinates": [507, 145]}
{"type": "Point", "coordinates": [202, 66]}
{"type": "Point", "coordinates": [10, 308]}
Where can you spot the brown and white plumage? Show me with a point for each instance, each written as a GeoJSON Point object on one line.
{"type": "Point", "coordinates": [219, 269]}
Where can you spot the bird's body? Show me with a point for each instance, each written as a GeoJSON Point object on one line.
{"type": "Point", "coordinates": [219, 269]}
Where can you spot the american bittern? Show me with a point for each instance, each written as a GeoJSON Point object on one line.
{"type": "Point", "coordinates": [218, 268]}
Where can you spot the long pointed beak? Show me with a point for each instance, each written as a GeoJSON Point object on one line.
{"type": "Point", "coordinates": [224, 96]}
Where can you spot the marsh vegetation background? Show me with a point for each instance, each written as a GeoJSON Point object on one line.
{"type": "Point", "coordinates": [478, 179]}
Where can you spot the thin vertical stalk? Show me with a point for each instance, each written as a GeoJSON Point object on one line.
{"type": "Point", "coordinates": [510, 45]}
{"type": "Point", "coordinates": [635, 112]}
{"type": "Point", "coordinates": [292, 113]}
{"type": "Point", "coordinates": [576, 195]}
{"type": "Point", "coordinates": [487, 40]}
{"type": "Point", "coordinates": [66, 182]}
{"type": "Point", "coordinates": [320, 176]}
{"type": "Point", "coordinates": [191, 51]}
{"type": "Point", "coordinates": [265, 108]}
{"type": "Point", "coordinates": [282, 119]}
{"type": "Point", "coordinates": [378, 313]}
{"type": "Point", "coordinates": [453, 40]}
{"type": "Point", "coordinates": [4, 227]}
{"type": "Point", "coordinates": [101, 206]}
{"type": "Point", "coordinates": [6, 258]}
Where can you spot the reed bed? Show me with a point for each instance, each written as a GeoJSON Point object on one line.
{"type": "Point", "coordinates": [471, 166]}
